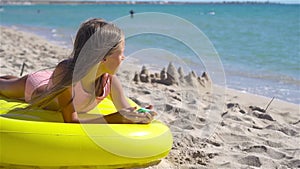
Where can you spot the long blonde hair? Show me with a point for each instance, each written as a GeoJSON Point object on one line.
{"type": "Point", "coordinates": [95, 40]}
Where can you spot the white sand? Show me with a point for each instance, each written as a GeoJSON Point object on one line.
{"type": "Point", "coordinates": [220, 129]}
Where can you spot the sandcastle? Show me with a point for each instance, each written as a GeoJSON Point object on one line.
{"type": "Point", "coordinates": [171, 76]}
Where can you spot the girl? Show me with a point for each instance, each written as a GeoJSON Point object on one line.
{"type": "Point", "coordinates": [78, 84]}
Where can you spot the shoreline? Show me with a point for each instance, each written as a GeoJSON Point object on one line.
{"type": "Point", "coordinates": [212, 127]}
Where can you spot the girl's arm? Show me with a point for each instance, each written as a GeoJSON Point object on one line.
{"type": "Point", "coordinates": [117, 94]}
{"type": "Point", "coordinates": [67, 108]}
{"type": "Point", "coordinates": [125, 114]}
{"type": "Point", "coordinates": [64, 99]}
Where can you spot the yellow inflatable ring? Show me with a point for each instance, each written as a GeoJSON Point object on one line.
{"type": "Point", "coordinates": [40, 139]}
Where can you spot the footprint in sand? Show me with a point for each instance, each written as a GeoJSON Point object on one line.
{"type": "Point", "coordinates": [262, 115]}
{"type": "Point", "coordinates": [283, 129]}
{"type": "Point", "coordinates": [294, 164]}
{"type": "Point", "coordinates": [261, 149]}
{"type": "Point", "coordinates": [250, 160]}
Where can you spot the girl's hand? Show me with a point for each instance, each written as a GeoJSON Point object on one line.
{"type": "Point", "coordinates": [147, 109]}
{"type": "Point", "coordinates": [130, 116]}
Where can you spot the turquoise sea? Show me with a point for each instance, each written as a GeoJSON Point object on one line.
{"type": "Point", "coordinates": [258, 44]}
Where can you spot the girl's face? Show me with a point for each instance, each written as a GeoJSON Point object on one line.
{"type": "Point", "coordinates": [113, 61]}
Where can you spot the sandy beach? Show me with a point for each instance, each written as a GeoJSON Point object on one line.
{"type": "Point", "coordinates": [212, 126]}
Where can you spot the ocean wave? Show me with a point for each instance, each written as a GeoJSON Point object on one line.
{"type": "Point", "coordinates": [280, 78]}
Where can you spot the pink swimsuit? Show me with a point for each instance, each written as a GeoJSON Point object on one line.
{"type": "Point", "coordinates": [34, 81]}
{"type": "Point", "coordinates": [82, 100]}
